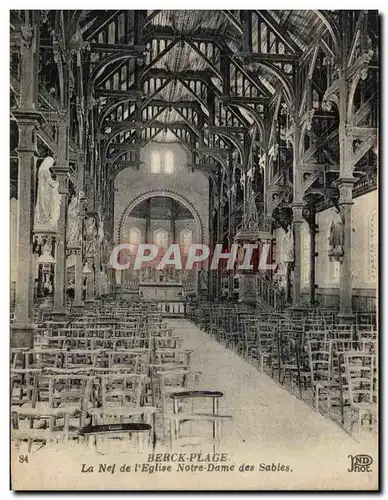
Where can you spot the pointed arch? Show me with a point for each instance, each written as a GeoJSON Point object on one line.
{"type": "Point", "coordinates": [161, 238]}
{"type": "Point", "coordinates": [134, 235]}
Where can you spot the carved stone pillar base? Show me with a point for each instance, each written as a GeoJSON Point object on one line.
{"type": "Point", "coordinates": [22, 336]}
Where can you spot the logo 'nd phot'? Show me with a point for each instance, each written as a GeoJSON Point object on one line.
{"type": "Point", "coordinates": [360, 463]}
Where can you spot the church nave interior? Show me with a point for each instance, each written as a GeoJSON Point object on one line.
{"type": "Point", "coordinates": [161, 134]}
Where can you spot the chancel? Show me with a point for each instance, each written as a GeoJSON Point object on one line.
{"type": "Point", "coordinates": [245, 131]}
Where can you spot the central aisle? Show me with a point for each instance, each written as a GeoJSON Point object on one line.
{"type": "Point", "coordinates": [283, 442]}
{"type": "Point", "coordinates": [269, 424]}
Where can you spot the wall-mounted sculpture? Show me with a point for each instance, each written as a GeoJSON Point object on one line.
{"type": "Point", "coordinates": [90, 237]}
{"type": "Point", "coordinates": [288, 247]}
{"type": "Point", "coordinates": [48, 198]}
{"type": "Point", "coordinates": [336, 238]}
{"type": "Point", "coordinates": [73, 234]}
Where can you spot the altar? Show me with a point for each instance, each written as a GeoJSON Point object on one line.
{"type": "Point", "coordinates": [161, 291]}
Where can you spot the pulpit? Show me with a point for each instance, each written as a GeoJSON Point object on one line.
{"type": "Point", "coordinates": [248, 277]}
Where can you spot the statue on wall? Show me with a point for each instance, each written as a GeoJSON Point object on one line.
{"type": "Point", "coordinates": [73, 234]}
{"type": "Point", "coordinates": [106, 250]}
{"type": "Point", "coordinates": [47, 252]}
{"type": "Point", "coordinates": [48, 199]}
{"type": "Point", "coordinates": [203, 280]}
{"type": "Point", "coordinates": [336, 238]}
{"type": "Point", "coordinates": [91, 236]}
{"type": "Point", "coordinates": [288, 246]}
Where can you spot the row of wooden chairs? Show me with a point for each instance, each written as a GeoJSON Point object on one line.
{"type": "Point", "coordinates": [308, 355]}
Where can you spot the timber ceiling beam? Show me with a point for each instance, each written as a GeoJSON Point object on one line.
{"type": "Point", "coordinates": [235, 100]}
{"type": "Point", "coordinates": [253, 80]}
{"type": "Point", "coordinates": [158, 124]}
{"type": "Point", "coordinates": [167, 33]}
{"type": "Point", "coordinates": [227, 130]}
{"type": "Point", "coordinates": [233, 20]}
{"type": "Point", "coordinates": [160, 56]}
{"type": "Point", "coordinates": [99, 23]}
{"type": "Point", "coordinates": [210, 151]}
{"type": "Point", "coordinates": [279, 30]}
{"type": "Point", "coordinates": [205, 58]}
{"type": "Point", "coordinates": [110, 48]}
{"type": "Point", "coordinates": [184, 75]}
{"type": "Point", "coordinates": [213, 166]}
{"type": "Point", "coordinates": [123, 146]}
{"type": "Point", "coordinates": [125, 164]}
{"type": "Point", "coordinates": [259, 56]}
{"type": "Point", "coordinates": [151, 17]}
{"type": "Point", "coordinates": [130, 95]}
{"type": "Point", "coordinates": [176, 104]}
{"type": "Point", "coordinates": [189, 124]}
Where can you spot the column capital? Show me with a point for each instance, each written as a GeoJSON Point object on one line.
{"type": "Point", "coordinates": [297, 211]}
{"type": "Point", "coordinates": [28, 117]}
{"type": "Point", "coordinates": [345, 181]}
{"type": "Point", "coordinates": [27, 39]}
{"type": "Point", "coordinates": [345, 187]}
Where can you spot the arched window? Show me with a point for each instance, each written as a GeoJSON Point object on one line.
{"type": "Point", "coordinates": [134, 239]}
{"type": "Point", "coordinates": [134, 236]}
{"type": "Point", "coordinates": [186, 238]}
{"type": "Point", "coordinates": [161, 238]}
{"type": "Point", "coordinates": [155, 162]}
{"type": "Point", "coordinates": [169, 162]}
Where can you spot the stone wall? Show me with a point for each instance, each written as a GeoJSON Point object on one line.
{"type": "Point", "coordinates": [193, 187]}
{"type": "Point", "coordinates": [364, 254]}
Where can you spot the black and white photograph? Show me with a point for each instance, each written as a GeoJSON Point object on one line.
{"type": "Point", "coordinates": [194, 250]}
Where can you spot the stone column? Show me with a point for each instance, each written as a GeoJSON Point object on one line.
{"type": "Point", "coordinates": [345, 186]}
{"type": "Point", "coordinates": [211, 276]}
{"type": "Point", "coordinates": [111, 279]}
{"type": "Point", "coordinates": [22, 327]}
{"type": "Point", "coordinates": [90, 281]}
{"type": "Point", "coordinates": [313, 232]}
{"type": "Point", "coordinates": [297, 209]}
{"type": "Point", "coordinates": [59, 310]}
{"type": "Point", "coordinates": [219, 240]}
{"type": "Point", "coordinates": [28, 121]}
{"type": "Point", "coordinates": [78, 279]}
{"type": "Point", "coordinates": [148, 222]}
{"type": "Point", "coordinates": [97, 271]}
{"type": "Point", "coordinates": [172, 229]}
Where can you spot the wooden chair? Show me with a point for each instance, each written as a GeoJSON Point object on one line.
{"type": "Point", "coordinates": [361, 376]}
{"type": "Point", "coordinates": [320, 360]}
{"type": "Point", "coordinates": [120, 401]}
{"type": "Point", "coordinates": [139, 429]}
{"type": "Point", "coordinates": [179, 418]}
{"type": "Point", "coordinates": [59, 400]}
{"type": "Point", "coordinates": [263, 348]}
{"type": "Point", "coordinates": [340, 347]}
{"type": "Point", "coordinates": [290, 343]}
